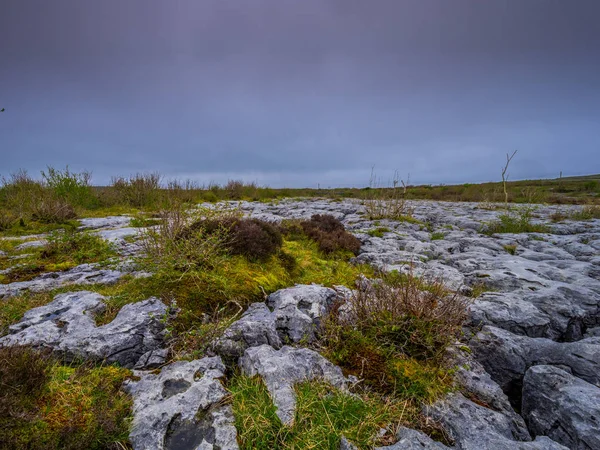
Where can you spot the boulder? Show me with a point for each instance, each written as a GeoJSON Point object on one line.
{"type": "Point", "coordinates": [282, 369]}
{"type": "Point", "coordinates": [409, 439]}
{"type": "Point", "coordinates": [183, 406]}
{"type": "Point", "coordinates": [298, 310]}
{"type": "Point", "coordinates": [474, 427]}
{"type": "Point", "coordinates": [66, 325]}
{"type": "Point", "coordinates": [507, 356]}
{"type": "Point", "coordinates": [564, 407]}
{"type": "Point", "coordinates": [256, 327]}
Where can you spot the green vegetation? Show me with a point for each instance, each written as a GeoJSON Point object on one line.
{"type": "Point", "coordinates": [210, 262]}
{"type": "Point", "coordinates": [323, 415]}
{"type": "Point", "coordinates": [30, 205]}
{"type": "Point", "coordinates": [63, 250]}
{"type": "Point", "coordinates": [517, 221]}
{"type": "Point", "coordinates": [378, 232]}
{"type": "Point", "coordinates": [393, 334]}
{"type": "Point", "coordinates": [511, 248]}
{"type": "Point", "coordinates": [46, 404]}
{"type": "Point", "coordinates": [479, 288]}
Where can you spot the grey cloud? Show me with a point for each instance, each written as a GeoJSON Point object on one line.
{"type": "Point", "coordinates": [301, 93]}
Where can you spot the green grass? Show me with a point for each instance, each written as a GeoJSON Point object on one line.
{"type": "Point", "coordinates": [378, 232]}
{"type": "Point", "coordinates": [438, 235]}
{"type": "Point", "coordinates": [516, 222]}
{"type": "Point", "coordinates": [323, 415]}
{"type": "Point", "coordinates": [63, 250]}
{"type": "Point", "coordinates": [45, 404]}
{"type": "Point", "coordinates": [511, 248]}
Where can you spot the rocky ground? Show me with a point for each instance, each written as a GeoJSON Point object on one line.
{"type": "Point", "coordinates": [528, 369]}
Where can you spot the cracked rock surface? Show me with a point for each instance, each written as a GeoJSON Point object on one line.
{"type": "Point", "coordinates": [564, 407]}
{"type": "Point", "coordinates": [290, 315]}
{"type": "Point", "coordinates": [66, 325]}
{"type": "Point", "coordinates": [182, 407]}
{"type": "Point", "coordinates": [82, 274]}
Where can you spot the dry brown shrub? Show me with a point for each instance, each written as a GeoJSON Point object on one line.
{"type": "Point", "coordinates": [49, 209]}
{"type": "Point", "coordinates": [330, 234]}
{"type": "Point", "coordinates": [420, 318]}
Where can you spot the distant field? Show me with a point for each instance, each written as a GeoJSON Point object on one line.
{"type": "Point", "coordinates": [27, 204]}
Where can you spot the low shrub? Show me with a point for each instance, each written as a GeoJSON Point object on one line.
{"type": "Point", "coordinates": [393, 334]}
{"type": "Point", "coordinates": [73, 188]}
{"type": "Point", "coordinates": [139, 190]}
{"type": "Point", "coordinates": [180, 244]}
{"type": "Point", "coordinates": [7, 219]}
{"type": "Point", "coordinates": [255, 239]}
{"type": "Point", "coordinates": [49, 209]}
{"type": "Point", "coordinates": [330, 234]}
{"type": "Point", "coordinates": [588, 212]}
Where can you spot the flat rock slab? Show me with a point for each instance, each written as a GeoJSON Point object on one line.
{"type": "Point", "coordinates": [67, 326]}
{"type": "Point", "coordinates": [282, 369]}
{"type": "Point", "coordinates": [83, 274]}
{"type": "Point", "coordinates": [564, 407]}
{"type": "Point", "coordinates": [94, 223]}
{"type": "Point", "coordinates": [182, 408]}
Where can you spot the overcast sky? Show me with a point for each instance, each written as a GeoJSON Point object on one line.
{"type": "Point", "coordinates": [301, 92]}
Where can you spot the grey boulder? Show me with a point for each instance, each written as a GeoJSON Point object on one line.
{"type": "Point", "coordinates": [507, 356]}
{"type": "Point", "coordinates": [67, 326]}
{"type": "Point", "coordinates": [474, 427]}
{"type": "Point", "coordinates": [298, 310]}
{"type": "Point", "coordinates": [562, 406]}
{"type": "Point", "coordinates": [409, 439]}
{"type": "Point", "coordinates": [256, 327]}
{"type": "Point", "coordinates": [282, 369]}
{"type": "Point", "coordinates": [182, 407]}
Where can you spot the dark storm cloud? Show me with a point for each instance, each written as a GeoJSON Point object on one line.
{"type": "Point", "coordinates": [290, 92]}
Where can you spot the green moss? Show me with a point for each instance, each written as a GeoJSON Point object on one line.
{"type": "Point", "coordinates": [323, 415]}
{"type": "Point", "coordinates": [76, 248]}
{"type": "Point", "coordinates": [378, 232]}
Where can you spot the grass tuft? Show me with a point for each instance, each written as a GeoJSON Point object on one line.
{"type": "Point", "coordinates": [323, 415]}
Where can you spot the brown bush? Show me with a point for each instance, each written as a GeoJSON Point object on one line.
{"type": "Point", "coordinates": [7, 218]}
{"type": "Point", "coordinates": [23, 374]}
{"type": "Point", "coordinates": [417, 317]}
{"type": "Point", "coordinates": [253, 238]}
{"type": "Point", "coordinates": [330, 234]}
{"type": "Point", "coordinates": [52, 210]}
